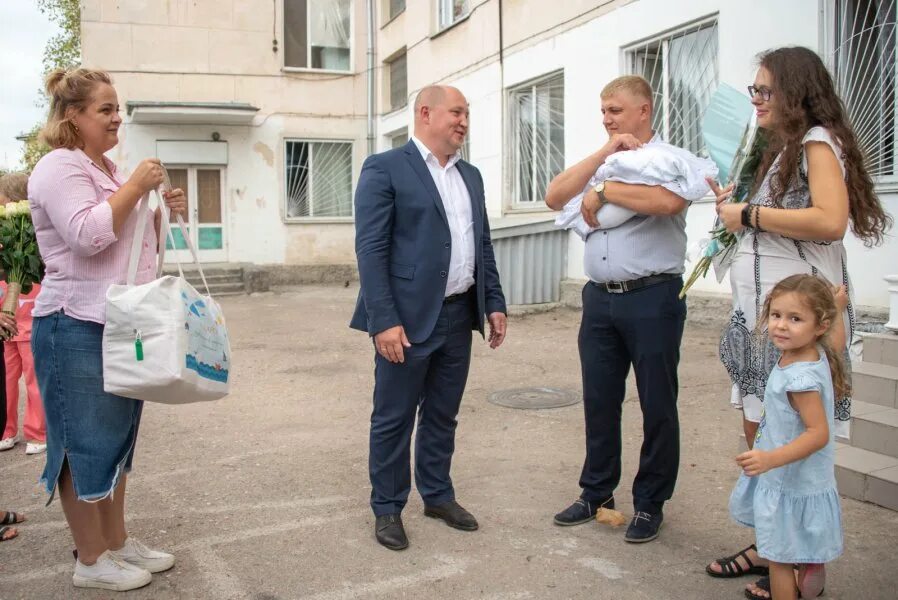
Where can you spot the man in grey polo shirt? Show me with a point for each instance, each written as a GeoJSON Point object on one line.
{"type": "Point", "coordinates": [631, 316]}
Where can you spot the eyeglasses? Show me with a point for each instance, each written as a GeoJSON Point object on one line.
{"type": "Point", "coordinates": [763, 92]}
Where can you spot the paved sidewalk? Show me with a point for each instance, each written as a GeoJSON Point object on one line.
{"type": "Point", "coordinates": [264, 495]}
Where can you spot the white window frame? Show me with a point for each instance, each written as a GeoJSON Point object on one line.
{"type": "Point", "coordinates": [884, 183]}
{"type": "Point", "coordinates": [445, 18]}
{"type": "Point", "coordinates": [514, 164]}
{"type": "Point", "coordinates": [311, 217]}
{"type": "Point", "coordinates": [289, 69]}
{"type": "Point", "coordinates": [663, 40]}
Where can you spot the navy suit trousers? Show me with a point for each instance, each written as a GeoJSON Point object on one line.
{"type": "Point", "coordinates": [427, 387]}
{"type": "Point", "coordinates": [642, 328]}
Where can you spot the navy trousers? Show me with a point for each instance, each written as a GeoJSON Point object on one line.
{"type": "Point", "coordinates": [642, 328]}
{"type": "Point", "coordinates": [428, 387]}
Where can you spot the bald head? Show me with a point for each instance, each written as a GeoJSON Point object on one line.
{"type": "Point", "coordinates": [441, 119]}
{"type": "Point", "coordinates": [431, 96]}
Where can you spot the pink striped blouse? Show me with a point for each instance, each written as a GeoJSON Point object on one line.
{"type": "Point", "coordinates": [67, 192]}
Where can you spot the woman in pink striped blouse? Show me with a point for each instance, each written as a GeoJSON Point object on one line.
{"type": "Point", "coordinates": [85, 216]}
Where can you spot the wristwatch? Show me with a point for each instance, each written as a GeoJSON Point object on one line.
{"type": "Point", "coordinates": [600, 190]}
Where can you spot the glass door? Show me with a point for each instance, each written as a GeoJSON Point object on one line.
{"type": "Point", "coordinates": [205, 214]}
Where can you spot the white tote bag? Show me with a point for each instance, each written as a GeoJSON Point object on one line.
{"type": "Point", "coordinates": [164, 341]}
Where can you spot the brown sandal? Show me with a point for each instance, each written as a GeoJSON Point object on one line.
{"type": "Point", "coordinates": [6, 529]}
{"type": "Point", "coordinates": [731, 567]}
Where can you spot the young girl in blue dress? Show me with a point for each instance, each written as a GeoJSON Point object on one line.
{"type": "Point", "coordinates": [787, 490]}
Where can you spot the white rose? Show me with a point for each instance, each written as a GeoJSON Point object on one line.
{"type": "Point", "coordinates": [24, 207]}
{"type": "Point", "coordinates": [12, 209]}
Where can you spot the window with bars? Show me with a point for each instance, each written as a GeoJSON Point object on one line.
{"type": "Point", "coordinates": [398, 82]}
{"type": "Point", "coordinates": [317, 34]}
{"type": "Point", "coordinates": [396, 7]}
{"type": "Point", "coordinates": [536, 112]}
{"type": "Point", "coordinates": [683, 70]}
{"type": "Point", "coordinates": [864, 61]}
{"type": "Point", "coordinates": [318, 179]}
{"type": "Point", "coordinates": [452, 11]}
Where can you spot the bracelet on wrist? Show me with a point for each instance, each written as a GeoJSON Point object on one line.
{"type": "Point", "coordinates": [758, 218]}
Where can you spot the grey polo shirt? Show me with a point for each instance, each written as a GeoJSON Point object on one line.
{"type": "Point", "coordinates": [644, 245]}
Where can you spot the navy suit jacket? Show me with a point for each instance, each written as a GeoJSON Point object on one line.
{"type": "Point", "coordinates": [402, 244]}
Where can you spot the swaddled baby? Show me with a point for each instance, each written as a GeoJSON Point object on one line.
{"type": "Point", "coordinates": [656, 163]}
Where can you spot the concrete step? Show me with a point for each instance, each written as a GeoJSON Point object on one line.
{"type": "Point", "coordinates": [881, 348]}
{"type": "Point", "coordinates": [867, 476]}
{"type": "Point", "coordinates": [874, 428]}
{"type": "Point", "coordinates": [874, 383]}
{"type": "Point", "coordinates": [222, 289]}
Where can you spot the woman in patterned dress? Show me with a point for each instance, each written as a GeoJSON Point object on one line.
{"type": "Point", "coordinates": [810, 186]}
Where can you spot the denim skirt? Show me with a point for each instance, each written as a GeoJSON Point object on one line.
{"type": "Point", "coordinates": [93, 431]}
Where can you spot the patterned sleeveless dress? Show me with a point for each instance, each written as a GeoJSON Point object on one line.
{"type": "Point", "coordinates": [762, 260]}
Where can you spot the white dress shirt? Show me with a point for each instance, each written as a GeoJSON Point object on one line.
{"type": "Point", "coordinates": [457, 203]}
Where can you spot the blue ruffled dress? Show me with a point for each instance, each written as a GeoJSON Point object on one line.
{"type": "Point", "coordinates": [794, 509]}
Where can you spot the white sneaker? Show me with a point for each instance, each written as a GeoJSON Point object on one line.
{"type": "Point", "coordinates": [8, 443]}
{"type": "Point", "coordinates": [110, 573]}
{"type": "Point", "coordinates": [35, 448]}
{"type": "Point", "coordinates": [137, 554]}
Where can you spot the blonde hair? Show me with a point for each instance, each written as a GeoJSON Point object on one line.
{"type": "Point", "coordinates": [14, 187]}
{"type": "Point", "coordinates": [634, 84]}
{"type": "Point", "coordinates": [67, 89]}
{"type": "Point", "coordinates": [817, 295]}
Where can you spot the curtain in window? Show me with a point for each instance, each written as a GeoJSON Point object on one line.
{"type": "Point", "coordinates": [329, 34]}
{"type": "Point", "coordinates": [453, 10]}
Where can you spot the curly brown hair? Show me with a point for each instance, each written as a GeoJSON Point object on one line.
{"type": "Point", "coordinates": [806, 97]}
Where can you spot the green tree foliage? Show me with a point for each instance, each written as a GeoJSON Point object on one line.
{"type": "Point", "coordinates": [63, 50]}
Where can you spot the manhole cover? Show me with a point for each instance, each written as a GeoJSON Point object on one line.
{"type": "Point", "coordinates": [536, 397]}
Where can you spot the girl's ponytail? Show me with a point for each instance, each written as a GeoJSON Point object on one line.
{"type": "Point", "coordinates": [841, 383]}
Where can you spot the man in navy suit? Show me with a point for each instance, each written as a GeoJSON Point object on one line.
{"type": "Point", "coordinates": [428, 277]}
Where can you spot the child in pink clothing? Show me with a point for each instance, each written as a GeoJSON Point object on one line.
{"type": "Point", "coordinates": [19, 361]}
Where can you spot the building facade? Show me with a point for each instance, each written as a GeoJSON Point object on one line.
{"type": "Point", "coordinates": [260, 107]}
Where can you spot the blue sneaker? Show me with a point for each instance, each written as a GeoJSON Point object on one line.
{"type": "Point", "coordinates": [644, 527]}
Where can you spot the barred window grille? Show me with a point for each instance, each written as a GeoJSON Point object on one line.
{"type": "Point", "coordinates": [317, 34]}
{"type": "Point", "coordinates": [318, 179]}
{"type": "Point", "coordinates": [398, 82]}
{"type": "Point", "coordinates": [864, 61]}
{"type": "Point", "coordinates": [536, 111]}
{"type": "Point", "coordinates": [452, 11]}
{"type": "Point", "coordinates": [683, 70]}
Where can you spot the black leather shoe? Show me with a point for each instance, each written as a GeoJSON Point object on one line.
{"type": "Point", "coordinates": [644, 527]}
{"type": "Point", "coordinates": [582, 511]}
{"type": "Point", "coordinates": [453, 514]}
{"type": "Point", "coordinates": [390, 533]}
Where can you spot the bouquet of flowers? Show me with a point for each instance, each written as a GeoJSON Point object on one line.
{"type": "Point", "coordinates": [19, 257]}
{"type": "Point", "coordinates": [737, 146]}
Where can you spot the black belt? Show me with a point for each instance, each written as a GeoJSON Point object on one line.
{"type": "Point", "coordinates": [620, 287]}
{"type": "Point", "coordinates": [456, 297]}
